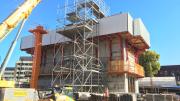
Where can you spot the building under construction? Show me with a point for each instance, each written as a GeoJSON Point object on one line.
{"type": "Point", "coordinates": [91, 50]}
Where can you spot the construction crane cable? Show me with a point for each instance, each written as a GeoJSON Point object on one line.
{"type": "Point", "coordinates": [11, 49]}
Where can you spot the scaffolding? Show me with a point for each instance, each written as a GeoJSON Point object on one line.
{"type": "Point", "coordinates": [79, 65]}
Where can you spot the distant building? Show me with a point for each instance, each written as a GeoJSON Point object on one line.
{"type": "Point", "coordinates": [23, 71]}
{"type": "Point", "coordinates": [157, 82]}
{"type": "Point", "coordinates": [170, 70]}
{"type": "Point", "coordinates": [158, 85]}
{"type": "Point", "coordinates": [9, 73]}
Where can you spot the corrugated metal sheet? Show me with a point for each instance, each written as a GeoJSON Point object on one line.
{"type": "Point", "coordinates": [140, 30]}
{"type": "Point", "coordinates": [157, 81]}
{"type": "Point", "coordinates": [51, 38]}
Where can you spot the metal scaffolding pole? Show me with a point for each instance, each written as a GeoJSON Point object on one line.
{"type": "Point", "coordinates": [81, 68]}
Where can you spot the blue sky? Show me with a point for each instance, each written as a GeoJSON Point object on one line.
{"type": "Point", "coordinates": [161, 17]}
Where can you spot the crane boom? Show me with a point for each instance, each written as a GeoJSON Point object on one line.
{"type": "Point", "coordinates": [11, 49]}
{"type": "Point", "coordinates": [11, 22]}
{"type": "Point", "coordinates": [17, 16]}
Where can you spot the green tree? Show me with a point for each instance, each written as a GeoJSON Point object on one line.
{"type": "Point", "coordinates": [150, 61]}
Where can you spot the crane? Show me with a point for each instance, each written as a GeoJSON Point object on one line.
{"type": "Point", "coordinates": [18, 16]}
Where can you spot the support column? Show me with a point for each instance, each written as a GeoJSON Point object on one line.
{"type": "Point", "coordinates": [124, 54]}
{"type": "Point", "coordinates": [126, 83]}
{"type": "Point", "coordinates": [136, 86]}
{"type": "Point", "coordinates": [110, 49]}
{"type": "Point", "coordinates": [38, 32]}
{"type": "Point", "coordinates": [121, 47]}
{"type": "Point", "coordinates": [62, 55]}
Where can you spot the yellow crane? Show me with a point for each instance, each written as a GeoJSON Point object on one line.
{"type": "Point", "coordinates": [18, 16]}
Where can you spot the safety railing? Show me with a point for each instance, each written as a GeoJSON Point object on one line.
{"type": "Point", "coordinates": [120, 67]}
{"type": "Point", "coordinates": [103, 7]}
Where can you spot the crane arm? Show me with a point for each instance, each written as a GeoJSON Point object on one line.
{"type": "Point", "coordinates": [11, 49]}
{"type": "Point", "coordinates": [17, 16]}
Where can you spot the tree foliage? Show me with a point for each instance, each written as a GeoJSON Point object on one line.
{"type": "Point", "coordinates": [150, 61]}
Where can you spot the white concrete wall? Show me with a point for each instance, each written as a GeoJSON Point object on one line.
{"type": "Point", "coordinates": [51, 38]}
{"type": "Point", "coordinates": [140, 30]}
{"type": "Point", "coordinates": [116, 24]}
{"type": "Point", "coordinates": [108, 25]}
{"type": "Point", "coordinates": [136, 86]}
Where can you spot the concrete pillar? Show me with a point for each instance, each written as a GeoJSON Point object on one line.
{"type": "Point", "coordinates": [126, 83]}
{"type": "Point", "coordinates": [124, 48]}
{"type": "Point", "coordinates": [124, 59]}
{"type": "Point", "coordinates": [136, 86]}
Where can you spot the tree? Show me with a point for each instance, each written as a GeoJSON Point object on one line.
{"type": "Point", "coordinates": [150, 61]}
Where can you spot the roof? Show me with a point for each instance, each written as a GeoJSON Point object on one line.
{"type": "Point", "coordinates": [172, 87]}
{"type": "Point", "coordinates": [10, 68]}
{"type": "Point", "coordinates": [157, 82]}
{"type": "Point", "coordinates": [169, 70]}
{"type": "Point", "coordinates": [25, 58]}
{"type": "Point", "coordinates": [170, 66]}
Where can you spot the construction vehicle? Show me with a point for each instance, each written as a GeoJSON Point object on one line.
{"type": "Point", "coordinates": [66, 94]}
{"type": "Point", "coordinates": [58, 94]}
{"type": "Point", "coordinates": [8, 92]}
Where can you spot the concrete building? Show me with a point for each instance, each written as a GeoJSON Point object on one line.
{"type": "Point", "coordinates": [78, 49]}
{"type": "Point", "coordinates": [170, 71]}
{"type": "Point", "coordinates": [122, 40]}
{"type": "Point", "coordinates": [23, 71]}
{"type": "Point", "coordinates": [9, 73]}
